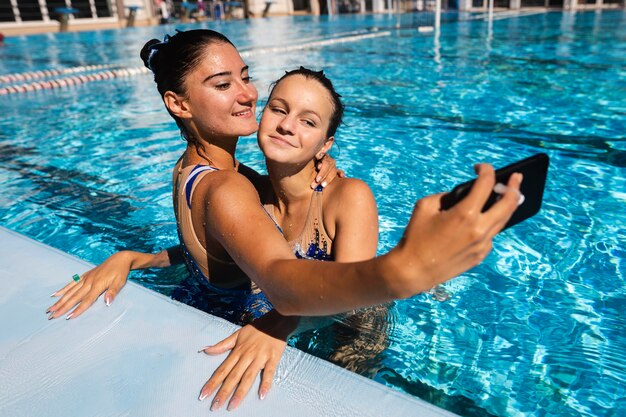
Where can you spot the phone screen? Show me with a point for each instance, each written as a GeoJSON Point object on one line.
{"type": "Point", "coordinates": [535, 171]}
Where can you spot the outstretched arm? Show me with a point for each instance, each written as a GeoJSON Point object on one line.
{"type": "Point", "coordinates": [437, 245]}
{"type": "Point", "coordinates": [110, 276]}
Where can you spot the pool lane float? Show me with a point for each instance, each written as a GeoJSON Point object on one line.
{"type": "Point", "coordinates": [109, 73]}
{"type": "Point", "coordinates": [73, 80]}
{"type": "Point", "coordinates": [33, 75]}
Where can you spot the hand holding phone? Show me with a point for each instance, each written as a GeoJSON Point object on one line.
{"type": "Point", "coordinates": [535, 171]}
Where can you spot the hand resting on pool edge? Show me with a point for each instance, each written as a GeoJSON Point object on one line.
{"type": "Point", "coordinates": [254, 349]}
{"type": "Point", "coordinates": [109, 278]}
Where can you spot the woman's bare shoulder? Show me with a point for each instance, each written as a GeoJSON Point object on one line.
{"type": "Point", "coordinates": [348, 189]}
{"type": "Point", "coordinates": [348, 199]}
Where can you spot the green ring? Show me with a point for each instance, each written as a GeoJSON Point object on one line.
{"type": "Point", "coordinates": [76, 277]}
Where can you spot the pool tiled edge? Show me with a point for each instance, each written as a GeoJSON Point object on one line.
{"type": "Point", "coordinates": [138, 356]}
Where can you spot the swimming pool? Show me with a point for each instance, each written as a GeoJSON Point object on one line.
{"type": "Point", "coordinates": [537, 329]}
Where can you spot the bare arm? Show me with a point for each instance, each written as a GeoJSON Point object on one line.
{"type": "Point", "coordinates": [437, 245]}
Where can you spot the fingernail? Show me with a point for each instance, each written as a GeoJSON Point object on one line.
{"type": "Point", "coordinates": [317, 179]}
{"type": "Point", "coordinates": [203, 349]}
{"type": "Point", "coordinates": [50, 316]}
{"type": "Point", "coordinates": [107, 301]}
{"type": "Point", "coordinates": [203, 396]}
{"type": "Point", "coordinates": [69, 316]}
{"type": "Point", "coordinates": [53, 294]}
{"type": "Point", "coordinates": [324, 184]}
{"type": "Point", "coordinates": [500, 188]}
{"type": "Point", "coordinates": [262, 395]}
{"type": "Point", "coordinates": [232, 405]}
{"type": "Point", "coordinates": [215, 405]}
{"type": "Point", "coordinates": [313, 185]}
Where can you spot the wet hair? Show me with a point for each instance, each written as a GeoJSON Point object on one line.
{"type": "Point", "coordinates": [338, 107]}
{"type": "Point", "coordinates": [174, 58]}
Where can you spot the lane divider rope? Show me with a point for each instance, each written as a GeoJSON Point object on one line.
{"type": "Point", "coordinates": [314, 44]}
{"type": "Point", "coordinates": [73, 80]}
{"type": "Point", "coordinates": [128, 72]}
{"type": "Point", "coordinates": [27, 76]}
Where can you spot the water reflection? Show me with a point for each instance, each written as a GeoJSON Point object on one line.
{"type": "Point", "coordinates": [535, 329]}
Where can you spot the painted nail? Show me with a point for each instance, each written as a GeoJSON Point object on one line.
{"type": "Point", "coordinates": [50, 316]}
{"type": "Point", "coordinates": [107, 301]}
{"type": "Point", "coordinates": [202, 396]}
{"type": "Point", "coordinates": [501, 189]}
{"type": "Point", "coordinates": [324, 184]}
{"type": "Point", "coordinates": [317, 179]}
{"type": "Point", "coordinates": [69, 316]}
{"type": "Point", "coordinates": [53, 294]}
{"type": "Point", "coordinates": [262, 395]}
{"type": "Point", "coordinates": [215, 405]}
{"type": "Point", "coordinates": [232, 405]}
{"type": "Point", "coordinates": [202, 350]}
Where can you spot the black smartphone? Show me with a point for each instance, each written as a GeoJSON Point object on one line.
{"type": "Point", "coordinates": [535, 171]}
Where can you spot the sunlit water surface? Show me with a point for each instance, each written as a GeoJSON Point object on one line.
{"type": "Point", "coordinates": [537, 329]}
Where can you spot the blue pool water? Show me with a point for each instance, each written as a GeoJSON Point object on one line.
{"type": "Point", "coordinates": [537, 329]}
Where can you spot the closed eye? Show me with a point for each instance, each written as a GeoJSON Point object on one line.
{"type": "Point", "coordinates": [277, 110]}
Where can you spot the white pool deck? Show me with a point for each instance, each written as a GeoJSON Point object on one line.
{"type": "Point", "coordinates": [139, 357]}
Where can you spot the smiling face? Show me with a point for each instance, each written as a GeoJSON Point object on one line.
{"type": "Point", "coordinates": [219, 98]}
{"type": "Point", "coordinates": [295, 122]}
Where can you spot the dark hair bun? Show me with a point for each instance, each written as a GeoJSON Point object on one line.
{"type": "Point", "coordinates": [145, 52]}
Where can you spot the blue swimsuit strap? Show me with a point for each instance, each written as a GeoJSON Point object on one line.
{"type": "Point", "coordinates": [193, 175]}
{"type": "Point", "coordinates": [272, 219]}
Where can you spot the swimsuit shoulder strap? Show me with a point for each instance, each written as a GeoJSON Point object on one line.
{"type": "Point", "coordinates": [191, 178]}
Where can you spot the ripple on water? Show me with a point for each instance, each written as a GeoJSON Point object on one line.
{"type": "Point", "coordinates": [537, 329]}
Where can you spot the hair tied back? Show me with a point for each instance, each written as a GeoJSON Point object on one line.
{"type": "Point", "coordinates": [154, 48]}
